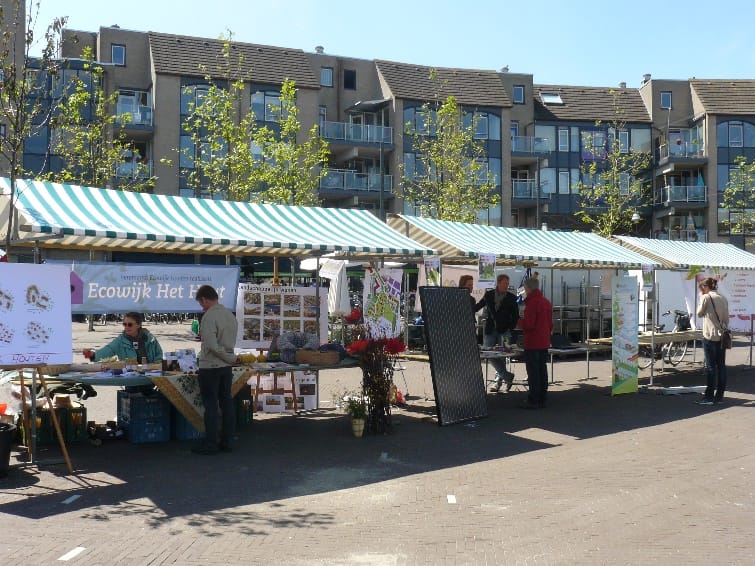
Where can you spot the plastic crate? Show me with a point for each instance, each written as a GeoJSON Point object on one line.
{"type": "Point", "coordinates": [244, 406]}
{"type": "Point", "coordinates": [183, 429]}
{"type": "Point", "coordinates": [73, 425]}
{"type": "Point", "coordinates": [75, 429]}
{"type": "Point", "coordinates": [144, 418]}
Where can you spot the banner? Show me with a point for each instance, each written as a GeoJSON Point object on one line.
{"type": "Point", "coordinates": [382, 301]}
{"type": "Point", "coordinates": [624, 311]}
{"type": "Point", "coordinates": [35, 314]}
{"type": "Point", "coordinates": [432, 271]}
{"type": "Point", "coordinates": [120, 287]}
{"type": "Point", "coordinates": [737, 286]}
{"type": "Point", "coordinates": [486, 270]}
{"type": "Point", "coordinates": [264, 311]}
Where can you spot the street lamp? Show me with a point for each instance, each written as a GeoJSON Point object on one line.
{"type": "Point", "coordinates": [636, 221]}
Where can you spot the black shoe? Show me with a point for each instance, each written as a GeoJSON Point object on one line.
{"type": "Point", "coordinates": [704, 401]}
{"type": "Point", "coordinates": [204, 450]}
{"type": "Point", "coordinates": [528, 405]}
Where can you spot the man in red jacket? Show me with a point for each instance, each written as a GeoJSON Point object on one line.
{"type": "Point", "coordinates": [537, 326]}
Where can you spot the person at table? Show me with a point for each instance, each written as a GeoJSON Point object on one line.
{"type": "Point", "coordinates": [537, 327]}
{"type": "Point", "coordinates": [218, 331]}
{"type": "Point", "coordinates": [467, 282]}
{"type": "Point", "coordinates": [714, 310]}
{"type": "Point", "coordinates": [503, 315]}
{"type": "Point", "coordinates": [135, 342]}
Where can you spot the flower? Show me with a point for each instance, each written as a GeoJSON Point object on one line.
{"type": "Point", "coordinates": [387, 346]}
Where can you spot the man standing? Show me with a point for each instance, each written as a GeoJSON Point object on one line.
{"type": "Point", "coordinates": [503, 315]}
{"type": "Point", "coordinates": [218, 331]}
{"type": "Point", "coordinates": [537, 326]}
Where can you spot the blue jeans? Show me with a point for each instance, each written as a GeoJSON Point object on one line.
{"type": "Point", "coordinates": [715, 370]}
{"type": "Point", "coordinates": [497, 339]}
{"type": "Point", "coordinates": [537, 375]}
{"type": "Point", "coordinates": [215, 389]}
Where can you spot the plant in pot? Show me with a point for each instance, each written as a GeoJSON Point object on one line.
{"type": "Point", "coordinates": [356, 407]}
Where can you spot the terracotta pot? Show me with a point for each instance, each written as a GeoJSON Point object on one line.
{"type": "Point", "coordinates": [357, 427]}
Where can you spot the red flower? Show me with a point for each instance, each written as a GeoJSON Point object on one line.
{"type": "Point", "coordinates": [393, 346]}
{"type": "Point", "coordinates": [357, 347]}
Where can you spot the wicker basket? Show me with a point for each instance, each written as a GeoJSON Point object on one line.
{"type": "Point", "coordinates": [317, 358]}
{"type": "Point", "coordinates": [55, 369]}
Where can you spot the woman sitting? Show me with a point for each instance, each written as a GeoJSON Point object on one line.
{"type": "Point", "coordinates": [134, 343]}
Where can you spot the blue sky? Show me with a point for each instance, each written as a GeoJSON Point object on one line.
{"type": "Point", "coordinates": [577, 42]}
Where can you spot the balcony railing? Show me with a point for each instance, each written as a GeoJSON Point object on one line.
{"type": "Point", "coordinates": [693, 235]}
{"type": "Point", "coordinates": [356, 133]}
{"type": "Point", "coordinates": [344, 180]}
{"type": "Point", "coordinates": [524, 189]}
{"type": "Point", "coordinates": [683, 149]}
{"type": "Point", "coordinates": [684, 193]}
{"type": "Point", "coordinates": [527, 144]}
{"type": "Point", "coordinates": [134, 170]}
{"type": "Point", "coordinates": [138, 115]}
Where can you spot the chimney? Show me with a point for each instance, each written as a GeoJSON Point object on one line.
{"type": "Point", "coordinates": [319, 49]}
{"type": "Point", "coordinates": [645, 78]}
{"type": "Point", "coordinates": [505, 69]}
{"type": "Point", "coordinates": [622, 84]}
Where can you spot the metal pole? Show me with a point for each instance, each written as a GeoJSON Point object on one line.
{"type": "Point", "coordinates": [382, 180]}
{"type": "Point", "coordinates": [537, 196]}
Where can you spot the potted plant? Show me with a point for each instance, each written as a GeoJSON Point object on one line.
{"type": "Point", "coordinates": [355, 405]}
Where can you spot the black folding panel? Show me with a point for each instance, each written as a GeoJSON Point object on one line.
{"type": "Point", "coordinates": [454, 355]}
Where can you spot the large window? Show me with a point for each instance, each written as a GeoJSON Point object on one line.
{"type": "Point", "coordinates": [518, 94]}
{"type": "Point", "coordinates": [349, 79]}
{"type": "Point", "coordinates": [666, 99]}
{"type": "Point", "coordinates": [326, 76]}
{"type": "Point", "coordinates": [192, 97]}
{"type": "Point", "coordinates": [266, 106]}
{"type": "Point", "coordinates": [735, 133]}
{"type": "Point", "coordinates": [487, 126]}
{"type": "Point", "coordinates": [593, 144]}
{"type": "Point", "coordinates": [118, 54]}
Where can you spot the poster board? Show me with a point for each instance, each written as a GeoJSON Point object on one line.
{"type": "Point", "coordinates": [382, 301]}
{"type": "Point", "coordinates": [264, 311]}
{"type": "Point", "coordinates": [35, 314]}
{"type": "Point", "coordinates": [624, 313]}
{"type": "Point", "coordinates": [454, 356]}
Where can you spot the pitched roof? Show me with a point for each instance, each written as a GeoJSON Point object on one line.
{"type": "Point", "coordinates": [469, 86]}
{"type": "Point", "coordinates": [183, 55]}
{"type": "Point", "coordinates": [587, 103]}
{"type": "Point", "coordinates": [726, 96]}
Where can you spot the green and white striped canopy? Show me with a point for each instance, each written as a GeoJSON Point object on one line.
{"type": "Point", "coordinates": [457, 240]}
{"type": "Point", "coordinates": [683, 255]}
{"type": "Point", "coordinates": [87, 217]}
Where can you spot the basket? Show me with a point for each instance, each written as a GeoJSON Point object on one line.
{"type": "Point", "coordinates": [55, 369]}
{"type": "Point", "coordinates": [317, 358]}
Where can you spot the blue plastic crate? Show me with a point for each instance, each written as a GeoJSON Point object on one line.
{"type": "Point", "coordinates": [145, 418]}
{"type": "Point", "coordinates": [149, 430]}
{"type": "Point", "coordinates": [183, 429]}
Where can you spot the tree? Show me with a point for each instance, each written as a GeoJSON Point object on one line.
{"type": "Point", "coordinates": [88, 138]}
{"type": "Point", "coordinates": [23, 111]}
{"type": "Point", "coordinates": [231, 154]}
{"type": "Point", "coordinates": [291, 171]}
{"type": "Point", "coordinates": [739, 196]}
{"type": "Point", "coordinates": [611, 187]}
{"type": "Point", "coordinates": [449, 178]}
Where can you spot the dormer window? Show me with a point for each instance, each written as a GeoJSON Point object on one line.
{"type": "Point", "coordinates": [118, 54]}
{"type": "Point", "coordinates": [550, 97]}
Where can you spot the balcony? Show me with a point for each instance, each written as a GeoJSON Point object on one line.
{"type": "Point", "coordinates": [693, 235]}
{"type": "Point", "coordinates": [527, 144]}
{"type": "Point", "coordinates": [134, 170]}
{"type": "Point", "coordinates": [137, 115]}
{"type": "Point", "coordinates": [524, 189]}
{"type": "Point", "coordinates": [345, 180]}
{"type": "Point", "coordinates": [356, 133]}
{"type": "Point", "coordinates": [683, 194]}
{"type": "Point", "coordinates": [681, 150]}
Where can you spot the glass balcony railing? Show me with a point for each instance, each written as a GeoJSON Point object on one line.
{"type": "Point", "coordinates": [527, 144]}
{"type": "Point", "coordinates": [134, 170]}
{"type": "Point", "coordinates": [692, 235]}
{"type": "Point", "coordinates": [684, 193]}
{"type": "Point", "coordinates": [137, 115]}
{"type": "Point", "coordinates": [356, 133]}
{"type": "Point", "coordinates": [524, 189]}
{"type": "Point", "coordinates": [344, 180]}
{"type": "Point", "coordinates": [681, 149]}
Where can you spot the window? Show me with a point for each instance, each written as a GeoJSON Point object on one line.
{"type": "Point", "coordinates": [486, 126]}
{"type": "Point", "coordinates": [192, 97]}
{"type": "Point", "coordinates": [266, 106]}
{"type": "Point", "coordinates": [518, 94]}
{"type": "Point", "coordinates": [593, 144]}
{"type": "Point", "coordinates": [624, 141]}
{"type": "Point", "coordinates": [563, 139]}
{"type": "Point", "coordinates": [322, 116]}
{"type": "Point", "coordinates": [514, 129]}
{"type": "Point", "coordinates": [118, 54]}
{"type": "Point", "coordinates": [551, 98]}
{"type": "Point", "coordinates": [735, 134]}
{"type": "Point", "coordinates": [326, 76]}
{"type": "Point", "coordinates": [666, 99]}
{"type": "Point", "coordinates": [564, 182]}
{"type": "Point", "coordinates": [349, 79]}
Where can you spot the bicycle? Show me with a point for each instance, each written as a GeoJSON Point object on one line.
{"type": "Point", "coordinates": [671, 352]}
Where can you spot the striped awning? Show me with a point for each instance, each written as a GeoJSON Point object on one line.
{"type": "Point", "coordinates": [456, 240]}
{"type": "Point", "coordinates": [71, 216]}
{"type": "Point", "coordinates": [683, 255]}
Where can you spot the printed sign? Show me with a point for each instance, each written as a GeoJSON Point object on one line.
{"type": "Point", "coordinates": [486, 270]}
{"type": "Point", "coordinates": [35, 314]}
{"type": "Point", "coordinates": [120, 287]}
{"type": "Point", "coordinates": [382, 289]}
{"type": "Point", "coordinates": [624, 310]}
{"type": "Point", "coordinates": [432, 271]}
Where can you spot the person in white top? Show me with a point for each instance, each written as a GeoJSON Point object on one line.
{"type": "Point", "coordinates": [714, 310]}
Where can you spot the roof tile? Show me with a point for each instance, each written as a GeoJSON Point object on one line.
{"type": "Point", "coordinates": [585, 103]}
{"type": "Point", "coordinates": [725, 96]}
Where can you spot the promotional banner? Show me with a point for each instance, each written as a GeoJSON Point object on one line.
{"type": "Point", "coordinates": [264, 311]}
{"type": "Point", "coordinates": [35, 314]}
{"type": "Point", "coordinates": [624, 309]}
{"type": "Point", "coordinates": [451, 276]}
{"type": "Point", "coordinates": [737, 286]}
{"type": "Point", "coordinates": [382, 300]}
{"type": "Point", "coordinates": [432, 271]}
{"type": "Point", "coordinates": [120, 287]}
{"type": "Point", "coordinates": [486, 270]}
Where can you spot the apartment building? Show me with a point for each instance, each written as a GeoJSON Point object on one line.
{"type": "Point", "coordinates": [534, 134]}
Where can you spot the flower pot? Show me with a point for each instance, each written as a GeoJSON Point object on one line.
{"type": "Point", "coordinates": [357, 427]}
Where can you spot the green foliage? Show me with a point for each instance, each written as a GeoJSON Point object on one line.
{"type": "Point", "coordinates": [89, 138]}
{"type": "Point", "coordinates": [615, 188]}
{"type": "Point", "coordinates": [21, 113]}
{"type": "Point", "coordinates": [739, 196]}
{"type": "Point", "coordinates": [450, 180]}
{"type": "Point", "coordinates": [281, 170]}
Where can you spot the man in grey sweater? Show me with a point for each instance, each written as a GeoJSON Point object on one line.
{"type": "Point", "coordinates": [218, 331]}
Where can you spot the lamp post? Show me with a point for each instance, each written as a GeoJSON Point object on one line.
{"type": "Point", "coordinates": [636, 221]}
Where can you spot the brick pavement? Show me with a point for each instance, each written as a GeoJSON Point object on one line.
{"type": "Point", "coordinates": [636, 479]}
